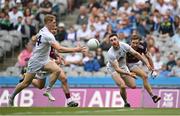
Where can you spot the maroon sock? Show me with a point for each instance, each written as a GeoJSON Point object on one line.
{"type": "Point", "coordinates": [67, 95]}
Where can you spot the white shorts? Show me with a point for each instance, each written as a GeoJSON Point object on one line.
{"type": "Point", "coordinates": [41, 75]}
{"type": "Point", "coordinates": [132, 66]}
{"type": "Point", "coordinates": [111, 70]}
{"type": "Point", "coordinates": [35, 65]}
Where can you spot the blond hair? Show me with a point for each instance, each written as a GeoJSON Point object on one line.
{"type": "Point", "coordinates": [49, 18]}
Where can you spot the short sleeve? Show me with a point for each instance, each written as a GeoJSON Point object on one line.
{"type": "Point", "coordinates": [127, 48]}
{"type": "Point", "coordinates": [144, 50]}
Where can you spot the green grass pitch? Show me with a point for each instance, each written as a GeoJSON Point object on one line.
{"type": "Point", "coordinates": [88, 111]}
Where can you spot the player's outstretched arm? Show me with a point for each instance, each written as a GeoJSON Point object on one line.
{"type": "Point", "coordinates": [149, 58]}
{"type": "Point", "coordinates": [119, 70]}
{"type": "Point", "coordinates": [62, 49]}
{"type": "Point", "coordinates": [137, 55]}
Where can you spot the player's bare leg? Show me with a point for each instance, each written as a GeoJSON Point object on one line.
{"type": "Point", "coordinates": [25, 83]}
{"type": "Point", "coordinates": [39, 83]}
{"type": "Point", "coordinates": [121, 84]}
{"type": "Point", "coordinates": [36, 82]}
{"type": "Point", "coordinates": [130, 82]}
{"type": "Point", "coordinates": [146, 84]}
{"type": "Point", "coordinates": [55, 71]}
{"type": "Point", "coordinates": [63, 79]}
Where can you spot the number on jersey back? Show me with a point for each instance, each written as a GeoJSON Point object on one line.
{"type": "Point", "coordinates": [39, 40]}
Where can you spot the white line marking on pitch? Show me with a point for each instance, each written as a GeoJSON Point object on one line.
{"type": "Point", "coordinates": [110, 110]}
{"type": "Point", "coordinates": [84, 111]}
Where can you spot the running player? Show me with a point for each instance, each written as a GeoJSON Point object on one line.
{"type": "Point", "coordinates": [40, 80]}
{"type": "Point", "coordinates": [132, 63]}
{"type": "Point", "coordinates": [117, 67]}
{"type": "Point", "coordinates": [40, 57]}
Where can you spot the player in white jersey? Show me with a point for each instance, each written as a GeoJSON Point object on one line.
{"type": "Point", "coordinates": [117, 67]}
{"type": "Point", "coordinates": [40, 80]}
{"type": "Point", "coordinates": [40, 59]}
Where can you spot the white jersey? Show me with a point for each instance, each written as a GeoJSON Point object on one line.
{"type": "Point", "coordinates": [119, 54]}
{"type": "Point", "coordinates": [40, 55]}
{"type": "Point", "coordinates": [43, 45]}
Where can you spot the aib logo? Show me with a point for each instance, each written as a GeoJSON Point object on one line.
{"type": "Point", "coordinates": [79, 96]}
{"type": "Point", "coordinates": [169, 98]}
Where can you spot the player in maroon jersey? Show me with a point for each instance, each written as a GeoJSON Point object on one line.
{"type": "Point", "coordinates": [132, 63]}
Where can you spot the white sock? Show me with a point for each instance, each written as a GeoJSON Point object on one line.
{"type": "Point", "coordinates": [69, 100]}
{"type": "Point", "coordinates": [48, 89]}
